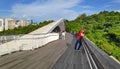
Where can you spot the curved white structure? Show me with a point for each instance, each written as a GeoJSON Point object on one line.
{"type": "Point", "coordinates": [32, 40]}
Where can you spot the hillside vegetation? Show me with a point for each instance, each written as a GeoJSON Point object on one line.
{"type": "Point", "coordinates": [103, 29]}
{"type": "Point", "coordinates": [26, 29]}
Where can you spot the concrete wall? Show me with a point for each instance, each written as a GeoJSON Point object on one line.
{"type": "Point", "coordinates": [60, 23]}
{"type": "Point", "coordinates": [27, 42]}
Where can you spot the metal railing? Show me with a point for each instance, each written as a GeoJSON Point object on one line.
{"type": "Point", "coordinates": [90, 59]}
{"type": "Point", "coordinates": [98, 59]}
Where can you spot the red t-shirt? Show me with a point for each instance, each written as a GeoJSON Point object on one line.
{"type": "Point", "coordinates": [79, 36]}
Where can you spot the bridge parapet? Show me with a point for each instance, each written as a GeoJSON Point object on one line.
{"type": "Point", "coordinates": [34, 39]}
{"type": "Point", "coordinates": [27, 42]}
{"type": "Point", "coordinates": [102, 60]}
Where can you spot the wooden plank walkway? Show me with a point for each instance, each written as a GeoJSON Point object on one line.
{"type": "Point", "coordinates": [55, 55]}
{"type": "Point", "coordinates": [72, 59]}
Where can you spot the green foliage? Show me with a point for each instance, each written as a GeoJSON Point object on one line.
{"type": "Point", "coordinates": [24, 30]}
{"type": "Point", "coordinates": [103, 29]}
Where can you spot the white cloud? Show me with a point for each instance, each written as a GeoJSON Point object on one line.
{"type": "Point", "coordinates": [117, 10]}
{"type": "Point", "coordinates": [44, 10]}
{"type": "Point", "coordinates": [116, 1]}
{"type": "Point", "coordinates": [89, 12]}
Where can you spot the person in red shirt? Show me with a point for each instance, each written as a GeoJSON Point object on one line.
{"type": "Point", "coordinates": [79, 37]}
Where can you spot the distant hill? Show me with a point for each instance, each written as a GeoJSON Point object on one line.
{"type": "Point", "coordinates": [103, 29]}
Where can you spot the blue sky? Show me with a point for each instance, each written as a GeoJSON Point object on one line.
{"type": "Point", "coordinates": [40, 10]}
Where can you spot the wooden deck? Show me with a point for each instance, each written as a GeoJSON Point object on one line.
{"type": "Point", "coordinates": [72, 59]}
{"type": "Point", "coordinates": [55, 55]}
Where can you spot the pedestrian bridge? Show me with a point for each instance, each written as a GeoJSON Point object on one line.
{"type": "Point", "coordinates": [32, 40]}
{"type": "Point", "coordinates": [42, 49]}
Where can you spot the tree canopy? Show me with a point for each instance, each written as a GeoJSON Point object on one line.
{"type": "Point", "coordinates": [102, 28]}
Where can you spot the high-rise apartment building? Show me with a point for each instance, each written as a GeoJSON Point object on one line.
{"type": "Point", "coordinates": [23, 23]}
{"type": "Point", "coordinates": [1, 24]}
{"type": "Point", "coordinates": [9, 23]}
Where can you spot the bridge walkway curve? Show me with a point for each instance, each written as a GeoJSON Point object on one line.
{"type": "Point", "coordinates": [55, 55]}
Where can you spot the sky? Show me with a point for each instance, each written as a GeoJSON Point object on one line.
{"type": "Point", "coordinates": [41, 10]}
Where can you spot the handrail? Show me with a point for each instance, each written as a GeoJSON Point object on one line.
{"type": "Point", "coordinates": [90, 64]}
{"type": "Point", "coordinates": [90, 59]}
{"type": "Point", "coordinates": [102, 59]}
